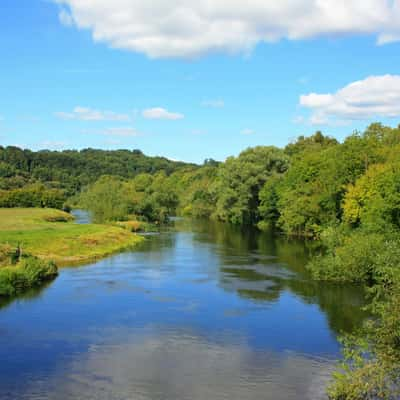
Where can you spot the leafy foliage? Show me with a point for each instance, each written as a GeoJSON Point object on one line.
{"type": "Point", "coordinates": [371, 368]}
{"type": "Point", "coordinates": [241, 179]}
{"type": "Point", "coordinates": [70, 170]}
{"type": "Point", "coordinates": [36, 195]}
{"type": "Point", "coordinates": [29, 272]}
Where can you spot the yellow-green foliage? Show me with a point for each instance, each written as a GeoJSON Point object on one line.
{"type": "Point", "coordinates": [64, 243]}
{"type": "Point", "coordinates": [371, 369]}
{"type": "Point", "coordinates": [5, 254]}
{"type": "Point", "coordinates": [133, 226]}
{"type": "Point", "coordinates": [375, 197]}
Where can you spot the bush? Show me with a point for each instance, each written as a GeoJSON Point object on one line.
{"type": "Point", "coordinates": [371, 369]}
{"type": "Point", "coordinates": [29, 272]}
{"type": "Point", "coordinates": [133, 226]}
{"type": "Point", "coordinates": [360, 256]}
{"type": "Point", "coordinates": [32, 196]}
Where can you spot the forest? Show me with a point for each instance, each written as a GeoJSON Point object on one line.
{"type": "Point", "coordinates": [344, 196]}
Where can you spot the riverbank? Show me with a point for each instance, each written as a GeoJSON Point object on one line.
{"type": "Point", "coordinates": [28, 273]}
{"type": "Point", "coordinates": [50, 236]}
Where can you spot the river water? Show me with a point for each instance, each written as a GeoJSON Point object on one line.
{"type": "Point", "coordinates": [203, 311]}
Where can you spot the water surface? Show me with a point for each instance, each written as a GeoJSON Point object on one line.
{"type": "Point", "coordinates": [203, 312]}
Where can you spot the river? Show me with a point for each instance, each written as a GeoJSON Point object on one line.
{"type": "Point", "coordinates": [203, 311]}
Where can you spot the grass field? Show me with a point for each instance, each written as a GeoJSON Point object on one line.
{"type": "Point", "coordinates": [40, 232]}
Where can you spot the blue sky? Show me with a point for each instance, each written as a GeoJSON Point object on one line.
{"type": "Point", "coordinates": [73, 77]}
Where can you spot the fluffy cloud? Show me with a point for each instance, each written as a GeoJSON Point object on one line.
{"type": "Point", "coordinates": [179, 28]}
{"type": "Point", "coordinates": [161, 113]}
{"type": "Point", "coordinates": [247, 131]}
{"type": "Point", "coordinates": [163, 361]}
{"type": "Point", "coordinates": [375, 96]}
{"type": "Point", "coordinates": [121, 131]}
{"type": "Point", "coordinates": [88, 114]}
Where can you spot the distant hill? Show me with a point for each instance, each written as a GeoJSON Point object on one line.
{"type": "Point", "coordinates": [72, 169]}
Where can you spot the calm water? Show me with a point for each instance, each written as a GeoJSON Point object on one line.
{"type": "Point", "coordinates": [81, 216]}
{"type": "Point", "coordinates": [206, 312]}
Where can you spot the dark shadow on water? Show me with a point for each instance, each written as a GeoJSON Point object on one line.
{"type": "Point", "coordinates": [31, 294]}
{"type": "Point", "coordinates": [260, 266]}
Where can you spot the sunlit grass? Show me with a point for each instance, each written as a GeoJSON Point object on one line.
{"type": "Point", "coordinates": [62, 242]}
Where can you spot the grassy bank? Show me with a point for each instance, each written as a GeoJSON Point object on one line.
{"type": "Point", "coordinates": [28, 273]}
{"type": "Point", "coordinates": [33, 241]}
{"type": "Point", "coordinates": [40, 233]}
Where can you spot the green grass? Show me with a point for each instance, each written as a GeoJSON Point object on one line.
{"type": "Point", "coordinates": [62, 242]}
{"type": "Point", "coordinates": [28, 273]}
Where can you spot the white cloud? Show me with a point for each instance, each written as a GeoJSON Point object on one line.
{"type": "Point", "coordinates": [65, 18]}
{"type": "Point", "coordinates": [121, 131]}
{"type": "Point", "coordinates": [216, 103]}
{"type": "Point", "coordinates": [247, 131]}
{"type": "Point", "coordinates": [217, 372]}
{"type": "Point", "coordinates": [89, 114]}
{"type": "Point", "coordinates": [161, 113]}
{"type": "Point", "coordinates": [179, 28]}
{"type": "Point", "coordinates": [373, 97]}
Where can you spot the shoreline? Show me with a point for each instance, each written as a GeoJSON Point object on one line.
{"type": "Point", "coordinates": [50, 236]}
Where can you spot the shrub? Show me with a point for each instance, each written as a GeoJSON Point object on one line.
{"type": "Point", "coordinates": [361, 256]}
{"type": "Point", "coordinates": [371, 369]}
{"type": "Point", "coordinates": [29, 272]}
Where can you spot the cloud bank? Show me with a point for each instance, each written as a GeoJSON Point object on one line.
{"type": "Point", "coordinates": [375, 96]}
{"type": "Point", "coordinates": [89, 114]}
{"type": "Point", "coordinates": [161, 113]}
{"type": "Point", "coordinates": [188, 29]}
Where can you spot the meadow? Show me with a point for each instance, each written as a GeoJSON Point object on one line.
{"type": "Point", "coordinates": [51, 235]}
{"type": "Point", "coordinates": [33, 242]}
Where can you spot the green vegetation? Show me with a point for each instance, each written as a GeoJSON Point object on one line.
{"type": "Point", "coordinates": [147, 197]}
{"type": "Point", "coordinates": [371, 369]}
{"type": "Point", "coordinates": [33, 240]}
{"type": "Point", "coordinates": [27, 273]}
{"type": "Point", "coordinates": [61, 242]}
{"type": "Point", "coordinates": [64, 174]}
{"type": "Point", "coordinates": [241, 179]}
{"type": "Point", "coordinates": [36, 195]}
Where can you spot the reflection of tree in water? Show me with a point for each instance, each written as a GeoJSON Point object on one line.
{"type": "Point", "coordinates": [157, 248]}
{"type": "Point", "coordinates": [156, 243]}
{"type": "Point", "coordinates": [30, 294]}
{"type": "Point", "coordinates": [342, 303]}
{"type": "Point", "coordinates": [251, 265]}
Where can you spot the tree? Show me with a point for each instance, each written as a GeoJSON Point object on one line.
{"type": "Point", "coordinates": [240, 180]}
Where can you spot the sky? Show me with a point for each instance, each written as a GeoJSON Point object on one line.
{"type": "Point", "coordinates": [191, 80]}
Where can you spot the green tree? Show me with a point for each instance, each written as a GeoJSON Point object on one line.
{"type": "Point", "coordinates": [240, 180]}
